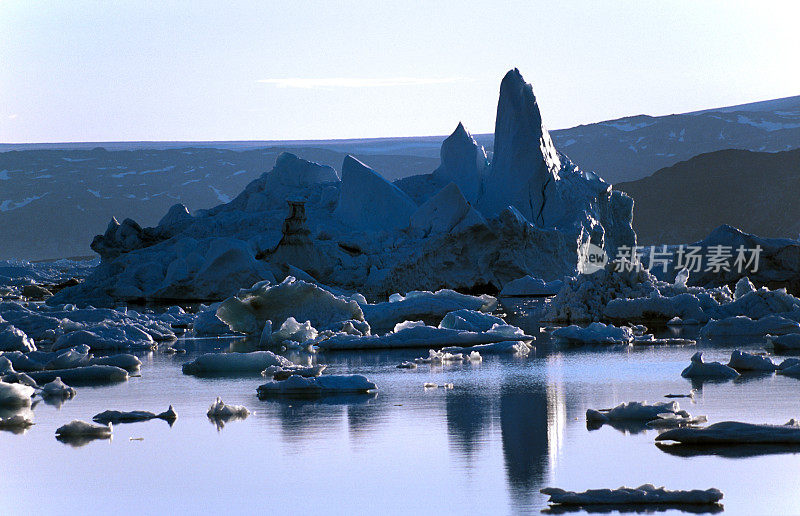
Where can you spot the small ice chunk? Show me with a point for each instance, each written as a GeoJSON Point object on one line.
{"type": "Point", "coordinates": [666, 421]}
{"type": "Point", "coordinates": [17, 423]}
{"type": "Point", "coordinates": [220, 413]}
{"type": "Point", "coordinates": [80, 432]}
{"type": "Point", "coordinates": [58, 390]}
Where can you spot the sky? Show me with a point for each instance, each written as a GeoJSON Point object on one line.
{"type": "Point", "coordinates": [274, 70]}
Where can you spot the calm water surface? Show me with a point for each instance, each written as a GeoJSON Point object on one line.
{"type": "Point", "coordinates": [509, 427]}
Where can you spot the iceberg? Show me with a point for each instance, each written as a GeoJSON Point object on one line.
{"type": "Point", "coordinates": [595, 333]}
{"type": "Point", "coordinates": [297, 385]}
{"type": "Point", "coordinates": [468, 225]}
{"type": "Point", "coordinates": [369, 202]}
{"type": "Point", "coordinates": [700, 369]}
{"type": "Point", "coordinates": [116, 416]}
{"type": "Point", "coordinates": [15, 395]}
{"type": "Point", "coordinates": [464, 162]}
{"type": "Point", "coordinates": [734, 432]}
{"type": "Point", "coordinates": [234, 363]}
{"type": "Point", "coordinates": [744, 326]}
{"type": "Point", "coordinates": [109, 338]}
{"type": "Point", "coordinates": [427, 306]}
{"type": "Point", "coordinates": [14, 339]}
{"type": "Point", "coordinates": [88, 375]}
{"type": "Point", "coordinates": [788, 342]}
{"type": "Point", "coordinates": [743, 361]}
{"type": "Point", "coordinates": [634, 411]}
{"type": "Point", "coordinates": [470, 320]}
{"type": "Point", "coordinates": [644, 494]}
{"type": "Point", "coordinates": [251, 308]}
{"type": "Point", "coordinates": [207, 323]}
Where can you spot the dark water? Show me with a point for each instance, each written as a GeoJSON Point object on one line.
{"type": "Point", "coordinates": [509, 427]}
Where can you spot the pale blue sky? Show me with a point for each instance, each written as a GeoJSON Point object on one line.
{"type": "Point", "coordinates": [212, 70]}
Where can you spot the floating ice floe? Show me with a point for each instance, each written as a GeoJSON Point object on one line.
{"type": "Point", "coordinates": [634, 411]}
{"type": "Point", "coordinates": [442, 357]}
{"type": "Point", "coordinates": [644, 494]}
{"type": "Point", "coordinates": [521, 348]}
{"type": "Point", "coordinates": [470, 320]}
{"type": "Point", "coordinates": [58, 390]}
{"type": "Point", "coordinates": [14, 395]}
{"type": "Point", "coordinates": [670, 420]}
{"type": "Point", "coordinates": [415, 334]}
{"type": "Point", "coordinates": [78, 433]}
{"type": "Point", "coordinates": [788, 342]}
{"type": "Point", "coordinates": [734, 432]}
{"type": "Point", "coordinates": [595, 333]}
{"type": "Point", "coordinates": [650, 340]}
{"type": "Point", "coordinates": [251, 308]}
{"type": "Point", "coordinates": [790, 367]}
{"type": "Point", "coordinates": [108, 338]}
{"type": "Point", "coordinates": [700, 369]}
{"type": "Point", "coordinates": [219, 413]}
{"type": "Point", "coordinates": [116, 416]}
{"type": "Point", "coordinates": [99, 328]}
{"type": "Point", "coordinates": [17, 423]}
{"type": "Point", "coordinates": [284, 372]}
{"type": "Point", "coordinates": [743, 361]}
{"type": "Point", "coordinates": [318, 386]}
{"type": "Point", "coordinates": [427, 306]}
{"type": "Point", "coordinates": [89, 375]}
{"type": "Point", "coordinates": [744, 326]}
{"type": "Point", "coordinates": [234, 363]}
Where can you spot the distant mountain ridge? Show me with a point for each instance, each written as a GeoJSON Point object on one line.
{"type": "Point", "coordinates": [633, 147]}
{"type": "Point", "coordinates": [756, 192]}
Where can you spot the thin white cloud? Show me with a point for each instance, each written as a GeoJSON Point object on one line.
{"type": "Point", "coordinates": [12, 116]}
{"type": "Point", "coordinates": [360, 82]}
